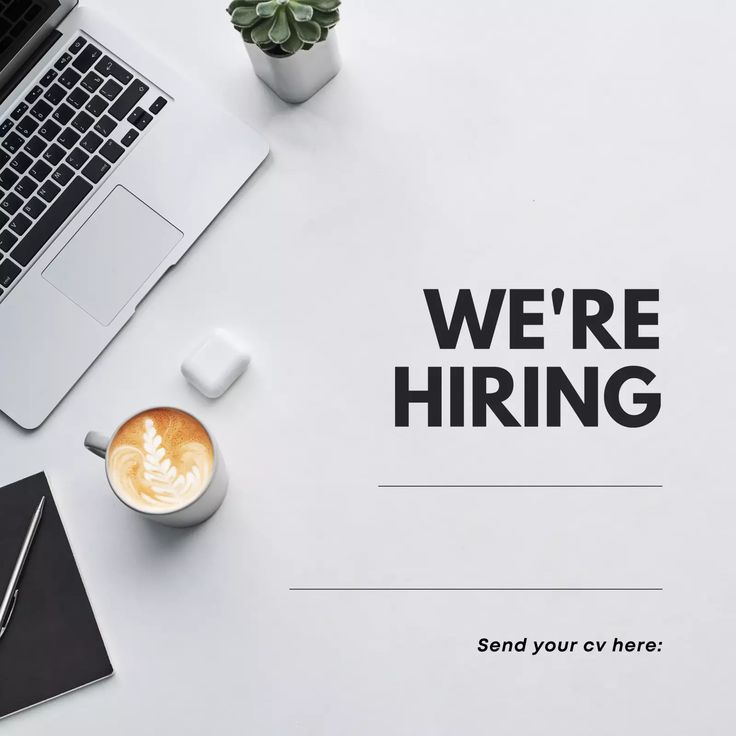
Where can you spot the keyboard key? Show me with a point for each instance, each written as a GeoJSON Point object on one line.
{"type": "Point", "coordinates": [157, 105]}
{"type": "Point", "coordinates": [11, 204]}
{"type": "Point", "coordinates": [82, 121]}
{"type": "Point", "coordinates": [54, 154]}
{"type": "Point", "coordinates": [34, 207]}
{"type": "Point", "coordinates": [21, 162]}
{"type": "Point", "coordinates": [7, 124]}
{"type": "Point", "coordinates": [12, 142]}
{"type": "Point", "coordinates": [19, 111]}
{"type": "Point", "coordinates": [14, 10]}
{"type": "Point", "coordinates": [143, 120]}
{"type": "Point", "coordinates": [8, 177]}
{"type": "Point", "coordinates": [4, 158]}
{"type": "Point", "coordinates": [91, 82]}
{"type": "Point", "coordinates": [62, 61]}
{"type": "Point", "coordinates": [7, 239]}
{"type": "Point", "coordinates": [122, 75]}
{"type": "Point", "coordinates": [105, 125]}
{"type": "Point", "coordinates": [55, 94]}
{"type": "Point", "coordinates": [19, 224]}
{"type": "Point", "coordinates": [86, 58]}
{"type": "Point", "coordinates": [27, 126]}
{"type": "Point", "coordinates": [96, 106]}
{"type": "Point", "coordinates": [31, 12]}
{"type": "Point", "coordinates": [133, 117]}
{"type": "Point", "coordinates": [77, 158]}
{"type": "Point", "coordinates": [35, 146]}
{"type": "Point", "coordinates": [34, 94]}
{"type": "Point", "coordinates": [96, 169]}
{"type": "Point", "coordinates": [111, 89]}
{"type": "Point", "coordinates": [77, 45]}
{"type": "Point", "coordinates": [77, 98]}
{"type": "Point", "coordinates": [91, 142]}
{"type": "Point", "coordinates": [63, 174]}
{"type": "Point", "coordinates": [48, 78]}
{"type": "Point", "coordinates": [26, 186]}
{"type": "Point", "coordinates": [3, 221]}
{"type": "Point", "coordinates": [69, 138]}
{"type": "Point", "coordinates": [111, 150]}
{"type": "Point", "coordinates": [9, 272]}
{"type": "Point", "coordinates": [104, 65]}
{"type": "Point", "coordinates": [63, 113]}
{"type": "Point", "coordinates": [48, 191]}
{"type": "Point", "coordinates": [51, 221]}
{"type": "Point", "coordinates": [49, 130]}
{"type": "Point", "coordinates": [40, 170]}
{"type": "Point", "coordinates": [69, 78]}
{"type": "Point", "coordinates": [125, 103]}
{"type": "Point", "coordinates": [41, 110]}
{"type": "Point", "coordinates": [129, 137]}
{"type": "Point", "coordinates": [107, 67]}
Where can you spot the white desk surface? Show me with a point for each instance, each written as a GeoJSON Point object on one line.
{"type": "Point", "coordinates": [503, 145]}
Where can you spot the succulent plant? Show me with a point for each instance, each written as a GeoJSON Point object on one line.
{"type": "Point", "coordinates": [283, 27]}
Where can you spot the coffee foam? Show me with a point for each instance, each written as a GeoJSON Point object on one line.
{"type": "Point", "coordinates": [160, 460]}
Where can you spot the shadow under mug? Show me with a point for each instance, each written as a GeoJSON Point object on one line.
{"type": "Point", "coordinates": [196, 510]}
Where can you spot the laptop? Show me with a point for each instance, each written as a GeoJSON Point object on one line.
{"type": "Point", "coordinates": [111, 166]}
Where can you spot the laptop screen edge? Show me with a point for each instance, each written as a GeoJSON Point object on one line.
{"type": "Point", "coordinates": [25, 52]}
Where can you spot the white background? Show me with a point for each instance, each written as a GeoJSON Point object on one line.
{"type": "Point", "coordinates": [477, 144]}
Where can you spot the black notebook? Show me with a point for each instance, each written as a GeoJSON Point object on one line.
{"type": "Point", "coordinates": [52, 644]}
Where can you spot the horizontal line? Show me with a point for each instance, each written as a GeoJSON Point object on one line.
{"type": "Point", "coordinates": [479, 589]}
{"type": "Point", "coordinates": [520, 485]}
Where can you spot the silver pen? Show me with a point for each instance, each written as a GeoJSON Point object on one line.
{"type": "Point", "coordinates": [11, 593]}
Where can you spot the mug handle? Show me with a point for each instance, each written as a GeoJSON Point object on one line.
{"type": "Point", "coordinates": [97, 443]}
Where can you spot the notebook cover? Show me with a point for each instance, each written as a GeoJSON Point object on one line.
{"type": "Point", "coordinates": [52, 644]}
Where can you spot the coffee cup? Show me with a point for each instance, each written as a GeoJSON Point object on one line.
{"type": "Point", "coordinates": [164, 464]}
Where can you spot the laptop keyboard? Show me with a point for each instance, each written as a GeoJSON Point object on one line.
{"type": "Point", "coordinates": [15, 17]}
{"type": "Point", "coordinates": [65, 133]}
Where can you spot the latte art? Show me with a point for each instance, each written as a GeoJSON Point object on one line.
{"type": "Point", "coordinates": [160, 460]}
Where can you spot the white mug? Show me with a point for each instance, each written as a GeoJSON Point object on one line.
{"type": "Point", "coordinates": [198, 509]}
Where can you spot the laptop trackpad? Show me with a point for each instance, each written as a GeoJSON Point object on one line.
{"type": "Point", "coordinates": [112, 255]}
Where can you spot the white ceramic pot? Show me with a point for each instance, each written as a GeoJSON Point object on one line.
{"type": "Point", "coordinates": [297, 77]}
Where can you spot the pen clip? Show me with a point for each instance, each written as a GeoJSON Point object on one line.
{"type": "Point", "coordinates": [4, 624]}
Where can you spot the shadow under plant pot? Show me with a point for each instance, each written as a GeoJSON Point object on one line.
{"type": "Point", "coordinates": [297, 77]}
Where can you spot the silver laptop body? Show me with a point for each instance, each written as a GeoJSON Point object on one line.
{"type": "Point", "coordinates": [112, 166]}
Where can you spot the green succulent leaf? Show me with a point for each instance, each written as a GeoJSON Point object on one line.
{"type": "Point", "coordinates": [283, 27]}
{"type": "Point", "coordinates": [325, 5]}
{"type": "Point", "coordinates": [267, 9]}
{"type": "Point", "coordinates": [292, 44]}
{"type": "Point", "coordinates": [244, 17]}
{"type": "Point", "coordinates": [240, 4]}
{"type": "Point", "coordinates": [280, 30]}
{"type": "Point", "coordinates": [301, 11]}
{"type": "Point", "coordinates": [309, 32]}
{"type": "Point", "coordinates": [259, 33]}
{"type": "Point", "coordinates": [326, 20]}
